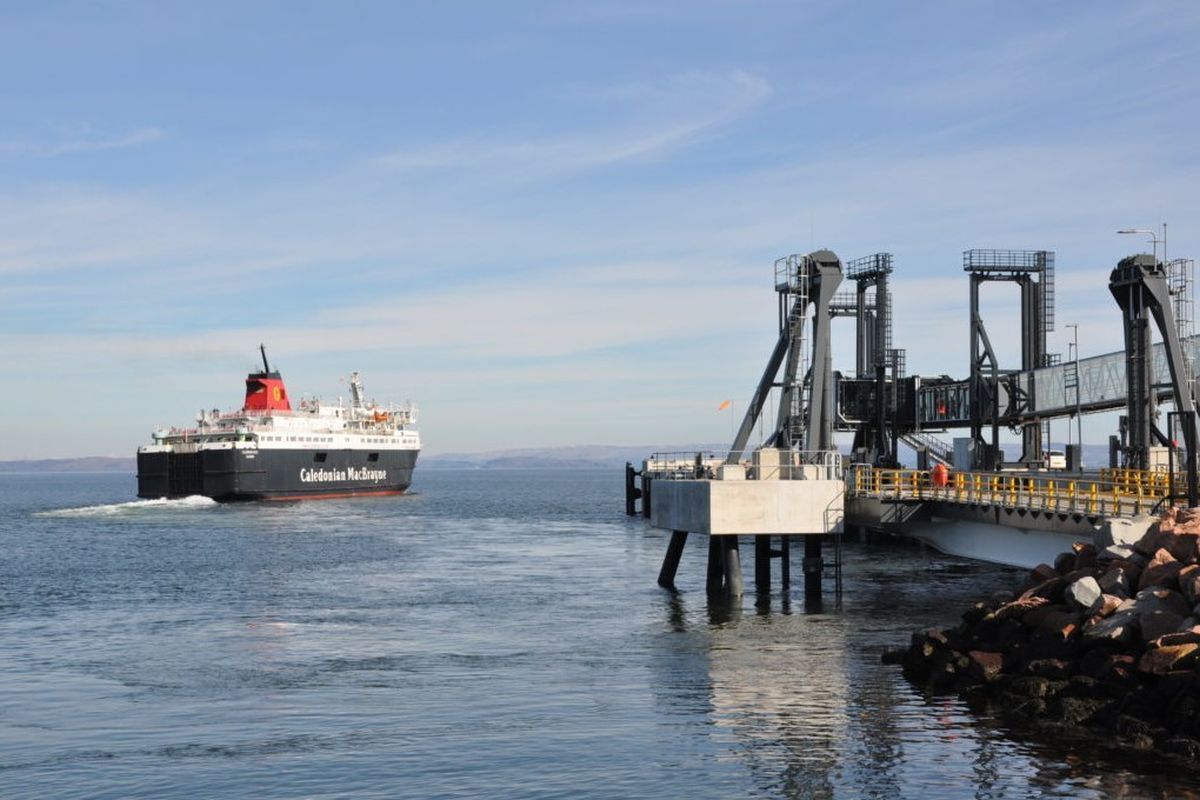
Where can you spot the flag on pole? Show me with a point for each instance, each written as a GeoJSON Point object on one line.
{"type": "Point", "coordinates": [723, 406]}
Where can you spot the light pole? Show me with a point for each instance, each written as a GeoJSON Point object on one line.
{"type": "Point", "coordinates": [1074, 326]}
{"type": "Point", "coordinates": [1153, 238]}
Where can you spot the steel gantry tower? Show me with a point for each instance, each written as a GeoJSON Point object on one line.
{"type": "Point", "coordinates": [1141, 286]}
{"type": "Point", "coordinates": [1033, 272]}
{"type": "Point", "coordinates": [805, 418]}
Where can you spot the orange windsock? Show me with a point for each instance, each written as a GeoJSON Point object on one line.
{"type": "Point", "coordinates": [723, 406]}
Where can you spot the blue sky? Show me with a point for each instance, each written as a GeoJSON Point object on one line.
{"type": "Point", "coordinates": [548, 222]}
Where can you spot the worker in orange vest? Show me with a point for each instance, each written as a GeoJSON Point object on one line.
{"type": "Point", "coordinates": [939, 476]}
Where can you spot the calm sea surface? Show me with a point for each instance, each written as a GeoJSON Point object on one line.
{"type": "Point", "coordinates": [495, 634]}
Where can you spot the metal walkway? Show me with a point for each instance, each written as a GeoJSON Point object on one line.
{"type": "Point", "coordinates": [1102, 387]}
{"type": "Point", "coordinates": [1113, 493]}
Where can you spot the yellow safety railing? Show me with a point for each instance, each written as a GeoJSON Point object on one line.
{"type": "Point", "coordinates": [1130, 479]}
{"type": "Point", "coordinates": [1123, 492]}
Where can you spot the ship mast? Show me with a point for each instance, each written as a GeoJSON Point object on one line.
{"type": "Point", "coordinates": [262, 348]}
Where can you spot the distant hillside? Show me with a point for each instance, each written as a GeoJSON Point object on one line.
{"type": "Point", "coordinates": [570, 457]}
{"type": "Point", "coordinates": [599, 456]}
{"type": "Point", "coordinates": [85, 464]}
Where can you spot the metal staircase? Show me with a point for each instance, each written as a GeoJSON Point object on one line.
{"type": "Point", "coordinates": [937, 449]}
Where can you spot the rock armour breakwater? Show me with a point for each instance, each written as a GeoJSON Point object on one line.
{"type": "Point", "coordinates": [1104, 641]}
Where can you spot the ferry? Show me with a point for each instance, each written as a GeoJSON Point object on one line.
{"type": "Point", "coordinates": [266, 450]}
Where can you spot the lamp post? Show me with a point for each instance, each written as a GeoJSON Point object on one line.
{"type": "Point", "coordinates": [1153, 238]}
{"type": "Point", "coordinates": [1074, 326]}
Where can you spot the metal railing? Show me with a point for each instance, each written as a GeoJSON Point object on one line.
{"type": "Point", "coordinates": [706, 465]}
{"type": "Point", "coordinates": [683, 465]}
{"type": "Point", "coordinates": [1123, 495]}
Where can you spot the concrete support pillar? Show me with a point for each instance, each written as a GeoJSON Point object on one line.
{"type": "Point", "coordinates": [666, 576]}
{"type": "Point", "coordinates": [762, 564]}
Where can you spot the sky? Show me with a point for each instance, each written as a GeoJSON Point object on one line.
{"type": "Point", "coordinates": [550, 223]}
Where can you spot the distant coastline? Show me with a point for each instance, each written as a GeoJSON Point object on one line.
{"type": "Point", "coordinates": [566, 457]}
{"type": "Point", "coordinates": [84, 464]}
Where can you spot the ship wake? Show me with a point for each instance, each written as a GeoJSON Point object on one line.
{"type": "Point", "coordinates": [134, 507]}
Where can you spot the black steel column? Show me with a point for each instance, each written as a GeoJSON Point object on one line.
{"type": "Point", "coordinates": [733, 565]}
{"type": "Point", "coordinates": [813, 567]}
{"type": "Point", "coordinates": [762, 564]}
{"type": "Point", "coordinates": [666, 576]}
{"type": "Point", "coordinates": [716, 566]}
{"type": "Point", "coordinates": [630, 490]}
{"type": "Point", "coordinates": [785, 562]}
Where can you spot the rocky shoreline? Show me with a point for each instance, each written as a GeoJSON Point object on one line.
{"type": "Point", "coordinates": [1106, 641]}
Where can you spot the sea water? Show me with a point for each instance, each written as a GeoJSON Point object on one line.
{"type": "Point", "coordinates": [493, 634]}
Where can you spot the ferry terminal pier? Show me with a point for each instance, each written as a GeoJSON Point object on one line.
{"type": "Point", "coordinates": [963, 497]}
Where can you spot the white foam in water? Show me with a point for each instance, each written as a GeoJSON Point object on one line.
{"type": "Point", "coordinates": [159, 504]}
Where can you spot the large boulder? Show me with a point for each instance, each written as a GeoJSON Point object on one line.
{"type": "Point", "coordinates": [1042, 573]}
{"type": "Point", "coordinates": [1108, 604]}
{"type": "Point", "coordinates": [1160, 611]}
{"type": "Point", "coordinates": [1163, 570]}
{"type": "Point", "coordinates": [1186, 636]}
{"type": "Point", "coordinates": [1177, 532]}
{"type": "Point", "coordinates": [1123, 530]}
{"type": "Point", "coordinates": [1162, 532]}
{"type": "Point", "coordinates": [1051, 590]}
{"type": "Point", "coordinates": [1187, 548]}
{"type": "Point", "coordinates": [985, 665]}
{"type": "Point", "coordinates": [1132, 570]}
{"type": "Point", "coordinates": [1085, 555]}
{"type": "Point", "coordinates": [1161, 660]}
{"type": "Point", "coordinates": [1084, 593]}
{"type": "Point", "coordinates": [1123, 627]}
{"type": "Point", "coordinates": [1017, 608]}
{"type": "Point", "coordinates": [1116, 582]}
{"type": "Point", "coordinates": [1060, 623]}
{"type": "Point", "coordinates": [1189, 583]}
{"type": "Point", "coordinates": [1187, 520]}
{"type": "Point", "coordinates": [1114, 551]}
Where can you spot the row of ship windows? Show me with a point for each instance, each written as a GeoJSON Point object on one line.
{"type": "Point", "coordinates": [315, 439]}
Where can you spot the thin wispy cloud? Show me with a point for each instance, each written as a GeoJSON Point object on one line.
{"type": "Point", "coordinates": [81, 144]}
{"type": "Point", "coordinates": [662, 117]}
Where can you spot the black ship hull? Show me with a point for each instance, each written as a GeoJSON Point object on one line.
{"type": "Point", "coordinates": [229, 474]}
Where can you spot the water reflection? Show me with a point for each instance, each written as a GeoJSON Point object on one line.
{"type": "Point", "coordinates": [801, 701]}
{"type": "Point", "coordinates": [777, 691]}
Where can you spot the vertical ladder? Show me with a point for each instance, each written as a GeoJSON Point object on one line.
{"type": "Point", "coordinates": [886, 301]}
{"type": "Point", "coordinates": [1070, 381]}
{"type": "Point", "coordinates": [1180, 276]}
{"type": "Point", "coordinates": [837, 567]}
{"type": "Point", "coordinates": [798, 281]}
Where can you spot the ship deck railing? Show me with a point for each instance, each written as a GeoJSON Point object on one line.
{"type": "Point", "coordinates": [1111, 493]}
